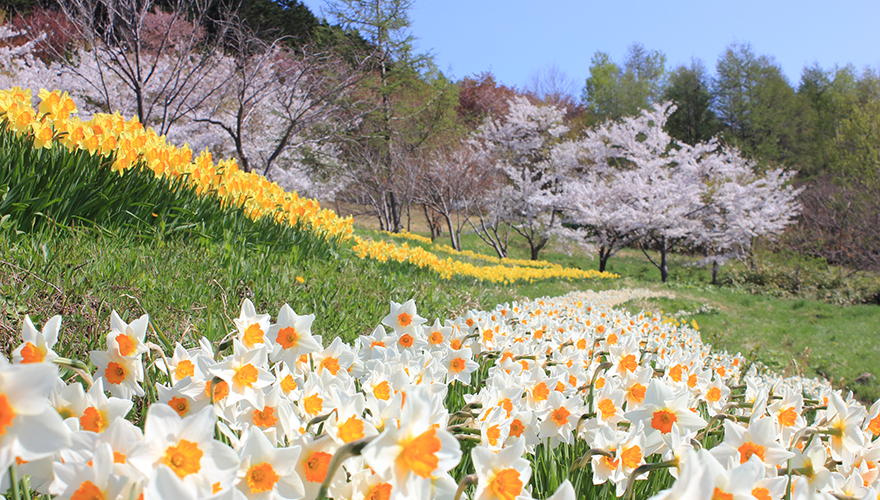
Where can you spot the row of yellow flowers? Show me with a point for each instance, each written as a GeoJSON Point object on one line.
{"type": "Point", "coordinates": [384, 251]}
{"type": "Point", "coordinates": [134, 146]}
{"type": "Point", "coordinates": [468, 253]}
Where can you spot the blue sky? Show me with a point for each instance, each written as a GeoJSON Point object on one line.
{"type": "Point", "coordinates": [515, 38]}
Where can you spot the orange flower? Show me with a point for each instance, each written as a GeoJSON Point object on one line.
{"type": "Point", "coordinates": [419, 455]}
{"type": "Point", "coordinates": [663, 420]}
{"type": "Point", "coordinates": [184, 459]}
{"type": "Point", "coordinates": [261, 477]}
{"type": "Point", "coordinates": [316, 465]}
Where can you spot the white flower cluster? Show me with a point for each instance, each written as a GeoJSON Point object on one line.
{"type": "Point", "coordinates": [266, 420]}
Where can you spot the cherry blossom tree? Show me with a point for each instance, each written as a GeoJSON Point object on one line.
{"type": "Point", "coordinates": [455, 183]}
{"type": "Point", "coordinates": [629, 182]}
{"type": "Point", "coordinates": [742, 205]}
{"type": "Point", "coordinates": [133, 57]}
{"type": "Point", "coordinates": [522, 143]}
{"type": "Point", "coordinates": [279, 109]}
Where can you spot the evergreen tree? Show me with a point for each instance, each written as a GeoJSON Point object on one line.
{"type": "Point", "coordinates": [689, 88]}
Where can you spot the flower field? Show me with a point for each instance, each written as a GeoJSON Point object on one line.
{"type": "Point", "coordinates": [133, 147]}
{"type": "Point", "coordinates": [558, 398]}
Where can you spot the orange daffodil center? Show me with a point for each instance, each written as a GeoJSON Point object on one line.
{"type": "Point", "coordinates": [93, 420]}
{"type": "Point", "coordinates": [607, 407]}
{"type": "Point", "coordinates": [287, 337]}
{"type": "Point", "coordinates": [719, 494]}
{"type": "Point", "coordinates": [253, 335]}
{"type": "Point", "coordinates": [32, 354]}
{"type": "Point", "coordinates": [261, 477]}
{"type": "Point", "coordinates": [636, 392]}
{"type": "Point", "coordinates": [246, 375]}
{"type": "Point", "coordinates": [265, 418]}
{"type": "Point", "coordinates": [382, 391]}
{"type": "Point", "coordinates": [185, 368]}
{"type": "Point", "coordinates": [540, 392]}
{"type": "Point", "coordinates": [351, 430]}
{"type": "Point", "coordinates": [457, 365]}
{"type": "Point", "coordinates": [381, 491]}
{"type": "Point", "coordinates": [404, 319]}
{"type": "Point", "coordinates": [330, 364]}
{"type": "Point", "coordinates": [313, 404]}
{"type": "Point", "coordinates": [180, 405]}
{"type": "Point", "coordinates": [7, 414]}
{"type": "Point", "coordinates": [631, 457]}
{"type": "Point", "coordinates": [629, 362]}
{"type": "Point", "coordinates": [436, 338]}
{"type": "Point", "coordinates": [788, 417]}
{"type": "Point", "coordinates": [88, 491]}
{"type": "Point", "coordinates": [115, 373]}
{"type": "Point", "coordinates": [316, 465]}
{"type": "Point", "coordinates": [663, 421]}
{"type": "Point", "coordinates": [560, 416]}
{"type": "Point", "coordinates": [747, 449]}
{"type": "Point", "coordinates": [127, 346]}
{"type": "Point", "coordinates": [184, 459]}
{"type": "Point", "coordinates": [419, 455]}
{"type": "Point", "coordinates": [506, 485]}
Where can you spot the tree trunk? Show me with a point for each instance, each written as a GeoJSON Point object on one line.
{"type": "Point", "coordinates": [456, 242]}
{"type": "Point", "coordinates": [715, 272]}
{"type": "Point", "coordinates": [604, 255]}
{"type": "Point", "coordinates": [664, 265]}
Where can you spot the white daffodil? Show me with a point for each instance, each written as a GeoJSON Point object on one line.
{"type": "Point", "coordinates": [29, 427]}
{"type": "Point", "coordinates": [245, 372]}
{"type": "Point", "coordinates": [411, 455]}
{"type": "Point", "coordinates": [336, 359]}
{"type": "Point", "coordinates": [736, 483]}
{"type": "Point", "coordinates": [759, 439]}
{"type": "Point", "coordinates": [347, 424]}
{"type": "Point", "coordinates": [37, 346]}
{"type": "Point", "coordinates": [313, 463]}
{"type": "Point", "coordinates": [291, 337]}
{"type": "Point", "coordinates": [403, 318]}
{"type": "Point", "coordinates": [502, 475]}
{"type": "Point", "coordinates": [560, 418]}
{"type": "Point", "coordinates": [661, 411]}
{"type": "Point", "coordinates": [267, 472]}
{"type": "Point", "coordinates": [128, 339]}
{"type": "Point", "coordinates": [187, 446]}
{"type": "Point", "coordinates": [77, 480]}
{"type": "Point", "coordinates": [845, 423]}
{"type": "Point", "coordinates": [252, 327]}
{"type": "Point", "coordinates": [437, 336]}
{"type": "Point", "coordinates": [121, 374]}
{"type": "Point", "coordinates": [459, 365]}
{"type": "Point", "coordinates": [186, 396]}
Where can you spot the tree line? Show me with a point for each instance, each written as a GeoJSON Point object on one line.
{"type": "Point", "coordinates": [346, 110]}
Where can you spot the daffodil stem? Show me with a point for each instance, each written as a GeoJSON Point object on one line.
{"type": "Point", "coordinates": [582, 461]}
{"type": "Point", "coordinates": [464, 430]}
{"type": "Point", "coordinates": [351, 449]}
{"type": "Point", "coordinates": [77, 366]}
{"type": "Point", "coordinates": [643, 469]}
{"type": "Point", "coordinates": [468, 439]}
{"type": "Point", "coordinates": [13, 481]}
{"type": "Point", "coordinates": [466, 481]}
{"type": "Point", "coordinates": [318, 420]}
